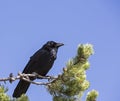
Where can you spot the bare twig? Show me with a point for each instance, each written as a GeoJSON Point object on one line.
{"type": "Point", "coordinates": [26, 77]}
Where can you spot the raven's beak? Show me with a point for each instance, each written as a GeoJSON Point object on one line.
{"type": "Point", "coordinates": [59, 44]}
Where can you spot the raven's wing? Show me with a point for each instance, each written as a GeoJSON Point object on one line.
{"type": "Point", "coordinates": [29, 68]}
{"type": "Point", "coordinates": [41, 62]}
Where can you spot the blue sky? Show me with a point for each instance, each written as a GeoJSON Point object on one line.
{"type": "Point", "coordinates": [25, 25]}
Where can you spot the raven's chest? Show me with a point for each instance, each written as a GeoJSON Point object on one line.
{"type": "Point", "coordinates": [53, 54]}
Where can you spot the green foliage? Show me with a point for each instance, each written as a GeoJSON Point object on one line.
{"type": "Point", "coordinates": [70, 85]}
{"type": "Point", "coordinates": [3, 96]}
{"type": "Point", "coordinates": [91, 96]}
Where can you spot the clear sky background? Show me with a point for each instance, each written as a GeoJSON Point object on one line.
{"type": "Point", "coordinates": [25, 25]}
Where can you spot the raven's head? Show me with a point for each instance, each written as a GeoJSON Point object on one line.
{"type": "Point", "coordinates": [52, 45]}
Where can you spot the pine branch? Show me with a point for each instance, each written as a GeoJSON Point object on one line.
{"type": "Point", "coordinates": [26, 77]}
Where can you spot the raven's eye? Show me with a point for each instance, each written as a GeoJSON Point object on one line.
{"type": "Point", "coordinates": [52, 44]}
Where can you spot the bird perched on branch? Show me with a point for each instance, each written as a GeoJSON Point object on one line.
{"type": "Point", "coordinates": [40, 63]}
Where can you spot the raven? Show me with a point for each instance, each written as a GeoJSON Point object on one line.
{"type": "Point", "coordinates": [40, 63]}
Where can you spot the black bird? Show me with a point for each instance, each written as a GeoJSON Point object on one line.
{"type": "Point", "coordinates": [40, 63]}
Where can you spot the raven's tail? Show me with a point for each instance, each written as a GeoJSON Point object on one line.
{"type": "Point", "coordinates": [21, 88]}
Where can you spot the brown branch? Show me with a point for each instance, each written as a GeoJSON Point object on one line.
{"type": "Point", "coordinates": [26, 77]}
